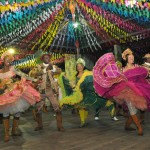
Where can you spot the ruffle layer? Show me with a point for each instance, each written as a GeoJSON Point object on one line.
{"type": "Point", "coordinates": [22, 89]}
{"type": "Point", "coordinates": [128, 95]}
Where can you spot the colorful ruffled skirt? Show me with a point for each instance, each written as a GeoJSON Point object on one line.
{"type": "Point", "coordinates": [18, 98]}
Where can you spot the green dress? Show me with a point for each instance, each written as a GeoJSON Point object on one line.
{"type": "Point", "coordinates": [83, 95]}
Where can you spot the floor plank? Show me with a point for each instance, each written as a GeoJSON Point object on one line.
{"type": "Point", "coordinates": [104, 134]}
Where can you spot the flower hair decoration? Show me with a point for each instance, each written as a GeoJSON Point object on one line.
{"type": "Point", "coordinates": [7, 53]}
{"type": "Point", "coordinates": [126, 52]}
{"type": "Point", "coordinates": [81, 61]}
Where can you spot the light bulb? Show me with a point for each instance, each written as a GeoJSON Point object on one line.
{"type": "Point", "coordinates": [75, 25]}
{"type": "Point", "coordinates": [11, 50]}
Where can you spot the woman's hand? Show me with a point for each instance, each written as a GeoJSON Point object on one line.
{"type": "Point", "coordinates": [72, 84]}
{"type": "Point", "coordinates": [5, 82]}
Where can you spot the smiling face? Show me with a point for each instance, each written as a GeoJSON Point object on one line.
{"type": "Point", "coordinates": [80, 67]}
{"type": "Point", "coordinates": [130, 59]}
{"type": "Point", "coordinates": [7, 61]}
{"type": "Point", "coordinates": [46, 59]}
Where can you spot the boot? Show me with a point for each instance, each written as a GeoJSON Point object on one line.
{"type": "Point", "coordinates": [142, 116]}
{"type": "Point", "coordinates": [34, 114]}
{"type": "Point", "coordinates": [82, 117]}
{"type": "Point", "coordinates": [39, 122]}
{"type": "Point", "coordinates": [6, 128]}
{"type": "Point", "coordinates": [128, 123]}
{"type": "Point", "coordinates": [73, 111]}
{"type": "Point", "coordinates": [1, 118]}
{"type": "Point", "coordinates": [59, 121]}
{"type": "Point", "coordinates": [86, 116]}
{"type": "Point", "coordinates": [45, 108]}
{"type": "Point", "coordinates": [15, 129]}
{"type": "Point", "coordinates": [125, 114]}
{"type": "Point", "coordinates": [138, 124]}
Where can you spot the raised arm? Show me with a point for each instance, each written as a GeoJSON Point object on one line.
{"type": "Point", "coordinates": [24, 75]}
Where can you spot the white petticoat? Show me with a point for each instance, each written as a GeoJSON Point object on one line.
{"type": "Point", "coordinates": [19, 106]}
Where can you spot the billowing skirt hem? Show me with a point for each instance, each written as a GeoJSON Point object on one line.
{"type": "Point", "coordinates": [23, 90]}
{"type": "Point", "coordinates": [19, 106]}
{"type": "Point", "coordinates": [128, 95]}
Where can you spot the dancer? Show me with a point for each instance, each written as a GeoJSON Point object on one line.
{"type": "Point", "coordinates": [16, 95]}
{"type": "Point", "coordinates": [147, 63]}
{"type": "Point", "coordinates": [135, 74]}
{"type": "Point", "coordinates": [48, 89]}
{"type": "Point", "coordinates": [109, 82]}
{"type": "Point", "coordinates": [111, 108]}
{"type": "Point", "coordinates": [121, 109]}
{"type": "Point", "coordinates": [1, 118]}
{"type": "Point", "coordinates": [81, 94]}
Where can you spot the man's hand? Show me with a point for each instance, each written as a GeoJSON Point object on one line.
{"type": "Point", "coordinates": [49, 67]}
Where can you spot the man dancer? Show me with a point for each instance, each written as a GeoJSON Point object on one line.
{"type": "Point", "coordinates": [48, 89]}
{"type": "Point", "coordinates": [147, 63]}
{"type": "Point", "coordinates": [147, 66]}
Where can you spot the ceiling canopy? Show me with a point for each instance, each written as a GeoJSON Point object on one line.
{"type": "Point", "coordinates": [63, 26]}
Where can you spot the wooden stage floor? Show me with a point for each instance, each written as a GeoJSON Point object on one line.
{"type": "Point", "coordinates": [104, 134]}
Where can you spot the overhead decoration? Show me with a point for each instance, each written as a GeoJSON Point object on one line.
{"type": "Point", "coordinates": [46, 39]}
{"type": "Point", "coordinates": [14, 5]}
{"type": "Point", "coordinates": [110, 28]}
{"type": "Point", "coordinates": [38, 32]}
{"type": "Point", "coordinates": [2, 50]}
{"type": "Point", "coordinates": [28, 61]}
{"type": "Point", "coordinates": [32, 60]}
{"type": "Point", "coordinates": [28, 27]}
{"type": "Point", "coordinates": [67, 26]}
{"type": "Point", "coordinates": [140, 15]}
{"type": "Point", "coordinates": [72, 7]}
{"type": "Point", "coordinates": [71, 32]}
{"type": "Point", "coordinates": [72, 25]}
{"type": "Point", "coordinates": [110, 23]}
{"type": "Point", "coordinates": [70, 67]}
{"type": "Point", "coordinates": [57, 58]}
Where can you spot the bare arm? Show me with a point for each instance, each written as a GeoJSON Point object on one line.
{"type": "Point", "coordinates": [22, 74]}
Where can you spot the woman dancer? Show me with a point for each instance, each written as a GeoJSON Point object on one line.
{"type": "Point", "coordinates": [82, 95]}
{"type": "Point", "coordinates": [137, 75]}
{"type": "Point", "coordinates": [147, 64]}
{"type": "Point", "coordinates": [111, 83]}
{"type": "Point", "coordinates": [16, 95]}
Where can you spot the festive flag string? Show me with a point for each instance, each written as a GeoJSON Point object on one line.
{"type": "Point", "coordinates": [38, 32]}
{"type": "Point", "coordinates": [11, 21]}
{"type": "Point", "coordinates": [110, 28]}
{"type": "Point", "coordinates": [120, 22]}
{"type": "Point", "coordinates": [45, 41]}
{"type": "Point", "coordinates": [94, 25]}
{"type": "Point", "coordinates": [22, 32]}
{"type": "Point", "coordinates": [13, 5]}
{"type": "Point", "coordinates": [140, 15]}
{"type": "Point", "coordinates": [137, 3]}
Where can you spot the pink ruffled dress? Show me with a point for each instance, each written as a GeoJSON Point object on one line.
{"type": "Point", "coordinates": [16, 96]}
{"type": "Point", "coordinates": [109, 82]}
{"type": "Point", "coordinates": [137, 77]}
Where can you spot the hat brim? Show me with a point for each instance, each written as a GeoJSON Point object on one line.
{"type": "Point", "coordinates": [147, 56]}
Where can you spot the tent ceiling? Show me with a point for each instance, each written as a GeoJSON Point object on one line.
{"type": "Point", "coordinates": [48, 25]}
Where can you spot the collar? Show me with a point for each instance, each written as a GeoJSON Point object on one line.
{"type": "Point", "coordinates": [45, 65]}
{"type": "Point", "coordinates": [146, 63]}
